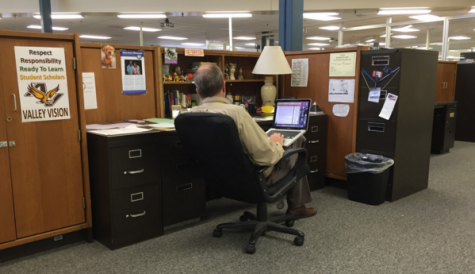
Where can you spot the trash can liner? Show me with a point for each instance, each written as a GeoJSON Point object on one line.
{"type": "Point", "coordinates": [361, 162]}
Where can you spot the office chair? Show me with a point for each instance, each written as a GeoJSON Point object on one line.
{"type": "Point", "coordinates": [213, 140]}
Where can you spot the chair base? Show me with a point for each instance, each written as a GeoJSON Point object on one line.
{"type": "Point", "coordinates": [259, 224]}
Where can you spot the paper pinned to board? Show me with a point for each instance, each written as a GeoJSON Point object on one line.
{"type": "Point", "coordinates": [374, 95]}
{"type": "Point", "coordinates": [341, 110]}
{"type": "Point", "coordinates": [89, 90]}
{"type": "Point", "coordinates": [388, 106]}
{"type": "Point", "coordinates": [299, 73]}
{"type": "Point", "coordinates": [341, 90]}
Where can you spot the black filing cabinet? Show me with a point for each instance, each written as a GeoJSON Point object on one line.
{"type": "Point", "coordinates": [465, 96]}
{"type": "Point", "coordinates": [125, 188]}
{"type": "Point", "coordinates": [443, 129]}
{"type": "Point", "coordinates": [316, 146]}
{"type": "Point", "coordinates": [406, 136]}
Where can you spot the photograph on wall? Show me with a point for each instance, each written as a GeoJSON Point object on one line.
{"type": "Point", "coordinates": [42, 83]}
{"type": "Point", "coordinates": [108, 59]}
{"type": "Point", "coordinates": [133, 72]}
{"type": "Point", "coordinates": [248, 100]}
{"type": "Point", "coordinates": [171, 56]}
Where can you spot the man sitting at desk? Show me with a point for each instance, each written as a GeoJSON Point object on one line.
{"type": "Point", "coordinates": [263, 151]}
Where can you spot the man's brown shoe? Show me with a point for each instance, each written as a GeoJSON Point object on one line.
{"type": "Point", "coordinates": [302, 212]}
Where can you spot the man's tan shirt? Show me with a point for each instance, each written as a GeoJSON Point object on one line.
{"type": "Point", "coordinates": [261, 150]}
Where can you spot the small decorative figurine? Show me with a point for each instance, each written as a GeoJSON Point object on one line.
{"type": "Point", "coordinates": [178, 70]}
{"type": "Point", "coordinates": [240, 74]}
{"type": "Point", "coordinates": [190, 76]}
{"type": "Point", "coordinates": [226, 72]}
{"type": "Point", "coordinates": [232, 69]}
{"type": "Point", "coordinates": [175, 77]}
{"type": "Point", "coordinates": [165, 78]}
{"type": "Point", "coordinates": [182, 78]}
{"type": "Point", "coordinates": [170, 78]}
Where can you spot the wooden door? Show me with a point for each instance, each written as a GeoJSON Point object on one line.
{"type": "Point", "coordinates": [446, 75]}
{"type": "Point", "coordinates": [450, 75]}
{"type": "Point", "coordinates": [7, 217]}
{"type": "Point", "coordinates": [46, 166]}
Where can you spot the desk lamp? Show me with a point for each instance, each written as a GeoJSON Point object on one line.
{"type": "Point", "coordinates": [271, 62]}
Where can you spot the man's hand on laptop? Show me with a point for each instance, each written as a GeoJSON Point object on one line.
{"type": "Point", "coordinates": [278, 138]}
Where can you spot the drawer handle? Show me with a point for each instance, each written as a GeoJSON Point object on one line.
{"type": "Point", "coordinates": [135, 215]}
{"type": "Point", "coordinates": [184, 187]}
{"type": "Point", "coordinates": [313, 142]}
{"type": "Point", "coordinates": [184, 165]}
{"type": "Point", "coordinates": [315, 129]}
{"type": "Point", "coordinates": [178, 144]}
{"type": "Point", "coordinates": [135, 171]}
{"type": "Point", "coordinates": [314, 171]}
{"type": "Point", "coordinates": [136, 197]}
{"type": "Point", "coordinates": [313, 159]}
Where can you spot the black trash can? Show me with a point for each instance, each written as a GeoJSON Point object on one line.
{"type": "Point", "coordinates": [368, 177]}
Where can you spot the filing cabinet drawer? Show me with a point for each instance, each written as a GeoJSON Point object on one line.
{"type": "Point", "coordinates": [183, 199]}
{"type": "Point", "coordinates": [136, 208]}
{"type": "Point", "coordinates": [134, 165]}
{"type": "Point", "coordinates": [172, 147]}
{"type": "Point", "coordinates": [179, 169]}
{"type": "Point", "coordinates": [368, 109]}
{"type": "Point", "coordinates": [376, 135]}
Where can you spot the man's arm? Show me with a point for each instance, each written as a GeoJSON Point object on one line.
{"type": "Point", "coordinates": [261, 150]}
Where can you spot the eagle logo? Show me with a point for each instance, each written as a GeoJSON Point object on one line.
{"type": "Point", "coordinates": [39, 91]}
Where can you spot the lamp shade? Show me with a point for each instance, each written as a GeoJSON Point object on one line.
{"type": "Point", "coordinates": [272, 62]}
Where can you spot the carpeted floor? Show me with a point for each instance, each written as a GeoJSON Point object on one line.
{"type": "Point", "coordinates": [429, 232]}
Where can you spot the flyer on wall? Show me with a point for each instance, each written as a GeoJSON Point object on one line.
{"type": "Point", "coordinates": [133, 72]}
{"type": "Point", "coordinates": [42, 83]}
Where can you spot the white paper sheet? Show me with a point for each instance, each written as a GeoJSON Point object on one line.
{"type": "Point", "coordinates": [126, 130]}
{"type": "Point", "coordinates": [89, 90]}
{"type": "Point", "coordinates": [107, 126]}
{"type": "Point", "coordinates": [374, 94]}
{"type": "Point", "coordinates": [342, 64]}
{"type": "Point", "coordinates": [299, 73]}
{"type": "Point", "coordinates": [341, 90]}
{"type": "Point", "coordinates": [388, 106]}
{"type": "Point", "coordinates": [162, 125]}
{"type": "Point", "coordinates": [341, 110]}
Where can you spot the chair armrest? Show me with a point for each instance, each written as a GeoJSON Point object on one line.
{"type": "Point", "coordinates": [278, 189]}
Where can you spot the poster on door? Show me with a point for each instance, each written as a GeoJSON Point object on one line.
{"type": "Point", "coordinates": [42, 83]}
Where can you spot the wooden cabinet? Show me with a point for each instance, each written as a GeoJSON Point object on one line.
{"type": "Point", "coordinates": [446, 78]}
{"type": "Point", "coordinates": [43, 190]}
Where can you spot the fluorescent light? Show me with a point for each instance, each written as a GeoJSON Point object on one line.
{"type": "Point", "coordinates": [382, 44]}
{"type": "Point", "coordinates": [250, 44]}
{"type": "Point", "coordinates": [61, 16]}
{"type": "Point", "coordinates": [398, 11]}
{"type": "Point", "coordinates": [227, 15]}
{"type": "Point", "coordinates": [318, 38]}
{"type": "Point", "coordinates": [315, 48]}
{"type": "Point", "coordinates": [321, 16]}
{"type": "Point", "coordinates": [143, 29]}
{"type": "Point", "coordinates": [172, 37]}
{"type": "Point", "coordinates": [330, 28]}
{"type": "Point", "coordinates": [404, 36]}
{"type": "Point", "coordinates": [244, 38]}
{"type": "Point", "coordinates": [39, 27]}
{"type": "Point", "coordinates": [318, 44]}
{"type": "Point", "coordinates": [405, 29]}
{"type": "Point", "coordinates": [193, 44]}
{"type": "Point", "coordinates": [460, 38]}
{"type": "Point", "coordinates": [426, 17]}
{"type": "Point", "coordinates": [370, 40]}
{"type": "Point", "coordinates": [472, 10]}
{"type": "Point", "coordinates": [142, 15]}
{"type": "Point", "coordinates": [384, 35]}
{"type": "Point", "coordinates": [94, 37]}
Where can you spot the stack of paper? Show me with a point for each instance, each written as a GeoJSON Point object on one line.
{"type": "Point", "coordinates": [107, 126]}
{"type": "Point", "coordinates": [119, 131]}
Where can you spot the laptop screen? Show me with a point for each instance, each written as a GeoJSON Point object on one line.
{"type": "Point", "coordinates": [291, 114]}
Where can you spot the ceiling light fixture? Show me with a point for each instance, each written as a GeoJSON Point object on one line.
{"type": "Point", "coordinates": [404, 36]}
{"type": "Point", "coordinates": [399, 11]}
{"type": "Point", "coordinates": [142, 15]}
{"type": "Point", "coordinates": [318, 44]}
{"type": "Point", "coordinates": [244, 38]}
{"type": "Point", "coordinates": [315, 48]}
{"type": "Point", "coordinates": [227, 15]}
{"type": "Point", "coordinates": [62, 16]}
{"type": "Point", "coordinates": [172, 37]}
{"type": "Point", "coordinates": [193, 44]}
{"type": "Point", "coordinates": [405, 29]}
{"type": "Point", "coordinates": [427, 17]}
{"type": "Point", "coordinates": [330, 28]}
{"type": "Point", "coordinates": [460, 38]}
{"type": "Point", "coordinates": [95, 37]}
{"type": "Point", "coordinates": [370, 40]}
{"type": "Point", "coordinates": [143, 29]}
{"type": "Point", "coordinates": [472, 10]}
{"type": "Point", "coordinates": [39, 27]}
{"type": "Point", "coordinates": [319, 38]}
{"type": "Point", "coordinates": [250, 44]}
{"type": "Point", "coordinates": [321, 16]}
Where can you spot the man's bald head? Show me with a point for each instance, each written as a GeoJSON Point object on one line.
{"type": "Point", "coordinates": [208, 80]}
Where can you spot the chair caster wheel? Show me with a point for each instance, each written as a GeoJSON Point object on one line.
{"type": "Point", "coordinates": [250, 249]}
{"type": "Point", "coordinates": [218, 233]}
{"type": "Point", "coordinates": [290, 223]}
{"type": "Point", "coordinates": [243, 218]}
{"type": "Point", "coordinates": [298, 241]}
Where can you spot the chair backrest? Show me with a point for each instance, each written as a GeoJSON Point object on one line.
{"type": "Point", "coordinates": [213, 140]}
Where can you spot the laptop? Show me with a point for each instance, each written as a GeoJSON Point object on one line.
{"type": "Point", "coordinates": [290, 119]}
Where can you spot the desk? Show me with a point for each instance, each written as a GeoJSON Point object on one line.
{"type": "Point", "coordinates": [142, 182]}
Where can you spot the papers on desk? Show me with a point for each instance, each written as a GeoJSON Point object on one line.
{"type": "Point", "coordinates": [161, 120]}
{"type": "Point", "coordinates": [119, 131]}
{"type": "Point", "coordinates": [161, 125]}
{"type": "Point", "coordinates": [107, 126]}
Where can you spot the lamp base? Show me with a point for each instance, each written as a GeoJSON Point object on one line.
{"type": "Point", "coordinates": [268, 92]}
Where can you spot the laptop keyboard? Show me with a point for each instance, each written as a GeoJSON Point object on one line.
{"type": "Point", "coordinates": [287, 134]}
